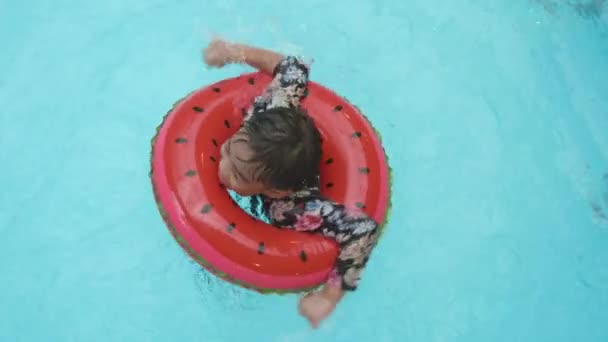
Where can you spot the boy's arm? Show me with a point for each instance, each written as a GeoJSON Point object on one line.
{"type": "Point", "coordinates": [356, 234]}
{"type": "Point", "coordinates": [261, 59]}
{"type": "Point", "coordinates": [354, 253]}
{"type": "Point", "coordinates": [220, 53]}
{"type": "Point", "coordinates": [290, 75]}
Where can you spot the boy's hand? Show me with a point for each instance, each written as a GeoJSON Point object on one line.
{"type": "Point", "coordinates": [317, 306]}
{"type": "Point", "coordinates": [220, 52]}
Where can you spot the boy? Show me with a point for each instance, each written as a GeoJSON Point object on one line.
{"type": "Point", "coordinates": [276, 155]}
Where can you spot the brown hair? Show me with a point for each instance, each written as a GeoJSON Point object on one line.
{"type": "Point", "coordinates": [286, 146]}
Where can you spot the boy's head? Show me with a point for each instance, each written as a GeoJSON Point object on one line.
{"type": "Point", "coordinates": [275, 153]}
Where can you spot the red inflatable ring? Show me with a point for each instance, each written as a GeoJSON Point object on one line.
{"type": "Point", "coordinates": [222, 237]}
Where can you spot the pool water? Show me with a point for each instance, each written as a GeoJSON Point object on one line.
{"type": "Point", "coordinates": [494, 115]}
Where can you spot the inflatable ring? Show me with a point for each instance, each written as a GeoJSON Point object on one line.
{"type": "Point", "coordinates": [221, 236]}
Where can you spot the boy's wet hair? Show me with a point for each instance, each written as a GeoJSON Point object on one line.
{"type": "Point", "coordinates": [286, 146]}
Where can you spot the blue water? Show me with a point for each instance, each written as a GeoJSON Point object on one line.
{"type": "Point", "coordinates": [494, 115]}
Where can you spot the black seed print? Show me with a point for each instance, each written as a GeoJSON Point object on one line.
{"type": "Point", "coordinates": [190, 173]}
{"type": "Point", "coordinates": [217, 89]}
{"type": "Point", "coordinates": [181, 140]}
{"type": "Point", "coordinates": [251, 81]}
{"type": "Point", "coordinates": [329, 185]}
{"type": "Point", "coordinates": [230, 227]}
{"type": "Point", "coordinates": [356, 135]}
{"type": "Point", "coordinates": [227, 123]}
{"type": "Point", "coordinates": [214, 142]}
{"type": "Point", "coordinates": [338, 108]}
{"type": "Point", "coordinates": [198, 109]}
{"type": "Point", "coordinates": [212, 159]}
{"type": "Point", "coordinates": [360, 205]}
{"type": "Point", "coordinates": [303, 256]}
{"type": "Point", "coordinates": [329, 161]}
{"type": "Point", "coordinates": [364, 170]}
{"type": "Point", "coordinates": [261, 248]}
{"type": "Point", "coordinates": [206, 209]}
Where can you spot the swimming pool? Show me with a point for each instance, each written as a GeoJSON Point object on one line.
{"type": "Point", "coordinates": [494, 115]}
